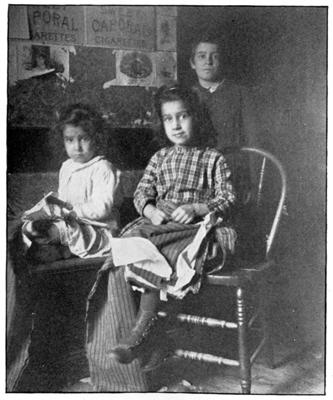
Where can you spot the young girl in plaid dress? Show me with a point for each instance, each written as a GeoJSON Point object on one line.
{"type": "Point", "coordinates": [184, 184]}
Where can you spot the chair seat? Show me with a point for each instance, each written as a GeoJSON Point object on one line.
{"type": "Point", "coordinates": [239, 273]}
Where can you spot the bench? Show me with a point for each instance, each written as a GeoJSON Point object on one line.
{"type": "Point", "coordinates": [46, 303]}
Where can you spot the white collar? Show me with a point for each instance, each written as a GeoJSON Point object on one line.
{"type": "Point", "coordinates": [78, 166]}
{"type": "Point", "coordinates": [212, 89]}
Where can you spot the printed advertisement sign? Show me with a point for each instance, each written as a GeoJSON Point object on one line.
{"type": "Point", "coordinates": [121, 27]}
{"type": "Point", "coordinates": [57, 24]}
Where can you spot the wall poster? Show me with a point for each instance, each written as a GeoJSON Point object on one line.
{"type": "Point", "coordinates": [57, 24]}
{"type": "Point", "coordinates": [166, 68]}
{"type": "Point", "coordinates": [121, 27]}
{"type": "Point", "coordinates": [92, 65]}
{"type": "Point", "coordinates": [134, 68]}
{"type": "Point", "coordinates": [34, 59]}
{"type": "Point", "coordinates": [166, 33]}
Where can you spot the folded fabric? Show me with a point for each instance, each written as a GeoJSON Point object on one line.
{"type": "Point", "coordinates": [43, 210]}
{"type": "Point", "coordinates": [134, 250]}
{"type": "Point", "coordinates": [185, 267]}
{"type": "Point", "coordinates": [147, 267]}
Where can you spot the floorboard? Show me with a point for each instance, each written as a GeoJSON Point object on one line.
{"type": "Point", "coordinates": [297, 371]}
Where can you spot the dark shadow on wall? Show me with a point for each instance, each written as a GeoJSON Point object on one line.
{"type": "Point", "coordinates": [32, 150]}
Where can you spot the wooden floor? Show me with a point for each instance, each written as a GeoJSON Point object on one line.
{"type": "Point", "coordinates": [298, 371]}
{"type": "Point", "coordinates": [300, 365]}
{"type": "Point", "coordinates": [295, 373]}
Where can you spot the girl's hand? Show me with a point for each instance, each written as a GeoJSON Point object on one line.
{"type": "Point", "coordinates": [158, 217]}
{"type": "Point", "coordinates": [184, 214]}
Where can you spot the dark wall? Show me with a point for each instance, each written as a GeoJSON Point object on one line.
{"type": "Point", "coordinates": [33, 150]}
{"type": "Point", "coordinates": [247, 34]}
{"type": "Point", "coordinates": [280, 55]}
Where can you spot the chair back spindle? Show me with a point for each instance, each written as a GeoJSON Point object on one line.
{"type": "Point", "coordinates": [261, 180]}
{"type": "Point", "coordinates": [283, 182]}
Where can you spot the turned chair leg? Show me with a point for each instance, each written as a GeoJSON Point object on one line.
{"type": "Point", "coordinates": [244, 359]}
{"type": "Point", "coordinates": [268, 350]}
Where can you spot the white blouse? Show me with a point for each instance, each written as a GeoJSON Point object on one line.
{"type": "Point", "coordinates": [93, 189]}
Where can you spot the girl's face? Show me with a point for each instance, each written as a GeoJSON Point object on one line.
{"type": "Point", "coordinates": [78, 144]}
{"type": "Point", "coordinates": [177, 123]}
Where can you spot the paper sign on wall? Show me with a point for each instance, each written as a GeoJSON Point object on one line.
{"type": "Point", "coordinates": [57, 24]}
{"type": "Point", "coordinates": [134, 68]}
{"type": "Point", "coordinates": [166, 33]}
{"type": "Point", "coordinates": [92, 65]}
{"type": "Point", "coordinates": [166, 68]}
{"type": "Point", "coordinates": [121, 27]}
{"type": "Point", "coordinates": [35, 59]}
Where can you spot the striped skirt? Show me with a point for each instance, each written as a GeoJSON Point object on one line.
{"type": "Point", "coordinates": [111, 313]}
{"type": "Point", "coordinates": [172, 241]}
{"type": "Point", "coordinates": [173, 254]}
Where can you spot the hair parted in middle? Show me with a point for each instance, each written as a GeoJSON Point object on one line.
{"type": "Point", "coordinates": [203, 131]}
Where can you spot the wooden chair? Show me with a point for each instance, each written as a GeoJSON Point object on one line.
{"type": "Point", "coordinates": [247, 275]}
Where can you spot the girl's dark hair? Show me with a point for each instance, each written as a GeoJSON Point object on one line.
{"type": "Point", "coordinates": [203, 131]}
{"type": "Point", "coordinates": [89, 120]}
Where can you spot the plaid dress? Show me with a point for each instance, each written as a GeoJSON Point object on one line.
{"type": "Point", "coordinates": [186, 176]}
{"type": "Point", "coordinates": [173, 177]}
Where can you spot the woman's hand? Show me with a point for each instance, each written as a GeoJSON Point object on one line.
{"type": "Point", "coordinates": [184, 214]}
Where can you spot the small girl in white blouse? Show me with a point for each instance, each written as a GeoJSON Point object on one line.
{"type": "Point", "coordinates": [83, 215]}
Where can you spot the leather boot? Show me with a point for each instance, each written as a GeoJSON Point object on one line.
{"type": "Point", "coordinates": [127, 349]}
{"type": "Point", "coordinates": [162, 352]}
